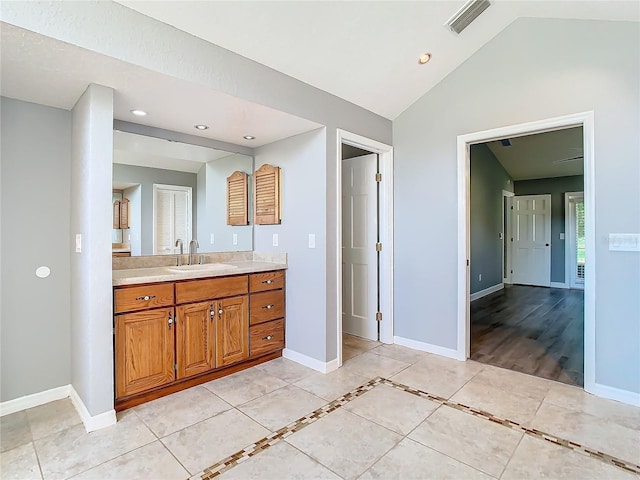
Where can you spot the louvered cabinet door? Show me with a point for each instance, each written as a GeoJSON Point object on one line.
{"type": "Point", "coordinates": [237, 199]}
{"type": "Point", "coordinates": [266, 197]}
{"type": "Point", "coordinates": [232, 330]}
{"type": "Point", "coordinates": [195, 325]}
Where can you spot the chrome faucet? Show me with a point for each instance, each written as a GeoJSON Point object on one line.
{"type": "Point", "coordinates": [193, 249]}
{"type": "Point", "coordinates": [179, 258]}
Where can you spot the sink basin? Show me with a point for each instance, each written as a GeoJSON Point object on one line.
{"type": "Point", "coordinates": [205, 267]}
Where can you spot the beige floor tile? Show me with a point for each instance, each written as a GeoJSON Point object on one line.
{"type": "Point", "coordinates": [536, 458]}
{"type": "Point", "coordinates": [331, 385]}
{"type": "Point", "coordinates": [575, 398]}
{"type": "Point", "coordinates": [152, 461]}
{"type": "Point", "coordinates": [20, 463]}
{"type": "Point", "coordinates": [71, 451]}
{"type": "Point", "coordinates": [398, 352]}
{"type": "Point", "coordinates": [345, 443]}
{"type": "Point", "coordinates": [411, 461]}
{"type": "Point", "coordinates": [512, 406]}
{"type": "Point", "coordinates": [205, 443]}
{"type": "Point", "coordinates": [350, 352]}
{"type": "Point", "coordinates": [472, 440]}
{"type": "Point", "coordinates": [281, 407]}
{"type": "Point", "coordinates": [358, 343]}
{"type": "Point", "coordinates": [590, 431]}
{"type": "Point", "coordinates": [174, 412]}
{"type": "Point", "coordinates": [434, 379]}
{"type": "Point", "coordinates": [371, 366]}
{"type": "Point", "coordinates": [52, 417]}
{"type": "Point", "coordinates": [392, 408]}
{"type": "Point", "coordinates": [277, 463]}
{"type": "Point", "coordinates": [286, 370]}
{"type": "Point", "coordinates": [515, 382]}
{"type": "Point", "coordinates": [14, 430]}
{"type": "Point", "coordinates": [244, 386]}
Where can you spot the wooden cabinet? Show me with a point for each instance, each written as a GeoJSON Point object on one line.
{"type": "Point", "coordinates": [195, 338]}
{"type": "Point", "coordinates": [144, 353]}
{"type": "Point", "coordinates": [173, 335]}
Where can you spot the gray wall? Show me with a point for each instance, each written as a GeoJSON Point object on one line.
{"type": "Point", "coordinates": [91, 214]}
{"type": "Point", "coordinates": [35, 312]}
{"type": "Point", "coordinates": [146, 177]}
{"type": "Point", "coordinates": [303, 203]}
{"type": "Point", "coordinates": [557, 188]}
{"type": "Point", "coordinates": [579, 66]}
{"type": "Point", "coordinates": [487, 181]}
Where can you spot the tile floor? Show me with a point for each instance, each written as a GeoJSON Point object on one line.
{"type": "Point", "coordinates": [389, 413]}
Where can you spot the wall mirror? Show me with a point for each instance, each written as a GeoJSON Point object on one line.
{"type": "Point", "coordinates": [176, 190]}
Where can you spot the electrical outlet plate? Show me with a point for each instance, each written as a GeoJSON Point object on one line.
{"type": "Point", "coordinates": [275, 239]}
{"type": "Point", "coordinates": [312, 240]}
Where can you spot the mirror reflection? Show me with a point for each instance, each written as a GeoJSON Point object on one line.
{"type": "Point", "coordinates": [176, 193]}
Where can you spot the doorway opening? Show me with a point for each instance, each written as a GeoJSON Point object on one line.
{"type": "Point", "coordinates": [530, 316]}
{"type": "Point", "coordinates": [365, 316]}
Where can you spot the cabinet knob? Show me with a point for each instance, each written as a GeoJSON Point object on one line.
{"type": "Point", "coordinates": [269, 307]}
{"type": "Point", "coordinates": [146, 297]}
{"type": "Point", "coordinates": [220, 312]}
{"type": "Point", "coordinates": [170, 321]}
{"type": "Point", "coordinates": [268, 282]}
{"type": "Point", "coordinates": [268, 337]}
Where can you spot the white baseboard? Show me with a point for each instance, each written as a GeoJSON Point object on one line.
{"type": "Point", "coordinates": [612, 393]}
{"type": "Point", "coordinates": [34, 400]}
{"type": "Point", "coordinates": [559, 285]}
{"type": "Point", "coordinates": [95, 422]}
{"type": "Point", "coordinates": [487, 291]}
{"type": "Point", "coordinates": [320, 366]}
{"type": "Point", "coordinates": [427, 347]}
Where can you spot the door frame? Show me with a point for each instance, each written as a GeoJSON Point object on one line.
{"type": "Point", "coordinates": [568, 267]}
{"type": "Point", "coordinates": [506, 233]}
{"type": "Point", "coordinates": [385, 153]}
{"type": "Point", "coordinates": [584, 120]}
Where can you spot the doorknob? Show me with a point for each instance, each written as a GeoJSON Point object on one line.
{"type": "Point", "coordinates": [546, 244]}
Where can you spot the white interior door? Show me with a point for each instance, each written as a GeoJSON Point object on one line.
{"type": "Point", "coordinates": [171, 218]}
{"type": "Point", "coordinates": [359, 256]}
{"type": "Point", "coordinates": [531, 235]}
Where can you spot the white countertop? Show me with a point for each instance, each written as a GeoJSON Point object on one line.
{"type": "Point", "coordinates": [135, 276]}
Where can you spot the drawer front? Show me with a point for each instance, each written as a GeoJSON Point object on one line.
{"type": "Point", "coordinates": [143, 297]}
{"type": "Point", "coordinates": [198, 290]}
{"type": "Point", "coordinates": [260, 282]}
{"type": "Point", "coordinates": [266, 306]}
{"type": "Point", "coordinates": [266, 337]}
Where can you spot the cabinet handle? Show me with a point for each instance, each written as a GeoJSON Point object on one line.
{"type": "Point", "coordinates": [268, 282]}
{"type": "Point", "coordinates": [211, 312]}
{"type": "Point", "coordinates": [146, 297]}
{"type": "Point", "coordinates": [170, 321]}
{"type": "Point", "coordinates": [268, 337]}
{"type": "Point", "coordinates": [220, 312]}
{"type": "Point", "coordinates": [269, 307]}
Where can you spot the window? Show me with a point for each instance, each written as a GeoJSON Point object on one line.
{"type": "Point", "coordinates": [171, 218]}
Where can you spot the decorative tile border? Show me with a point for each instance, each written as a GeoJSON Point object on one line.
{"type": "Point", "coordinates": [275, 437]}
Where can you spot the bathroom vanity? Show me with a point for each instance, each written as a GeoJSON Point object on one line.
{"type": "Point", "coordinates": [176, 327]}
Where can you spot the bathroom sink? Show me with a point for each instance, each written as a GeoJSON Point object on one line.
{"type": "Point", "coordinates": [205, 267]}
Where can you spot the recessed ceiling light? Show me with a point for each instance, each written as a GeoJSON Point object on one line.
{"type": "Point", "coordinates": [201, 127]}
{"type": "Point", "coordinates": [424, 58]}
{"type": "Point", "coordinates": [139, 113]}
{"type": "Point", "coordinates": [249, 137]}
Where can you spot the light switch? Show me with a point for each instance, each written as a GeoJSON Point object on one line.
{"type": "Point", "coordinates": [562, 236]}
{"type": "Point", "coordinates": [624, 242]}
{"type": "Point", "coordinates": [275, 239]}
{"type": "Point", "coordinates": [312, 240]}
{"type": "Point", "coordinates": [78, 243]}
{"type": "Point", "coordinates": [235, 238]}
{"type": "Point", "coordinates": [213, 239]}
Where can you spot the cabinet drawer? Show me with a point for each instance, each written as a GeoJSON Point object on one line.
{"type": "Point", "coordinates": [266, 306]}
{"type": "Point", "coordinates": [266, 337]}
{"type": "Point", "coordinates": [129, 299]}
{"type": "Point", "coordinates": [198, 290]}
{"type": "Point", "coordinates": [260, 282]}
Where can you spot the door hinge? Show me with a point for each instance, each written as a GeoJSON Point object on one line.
{"type": "Point", "coordinates": [175, 367]}
{"type": "Point", "coordinates": [378, 316]}
{"type": "Point", "coordinates": [467, 262]}
{"type": "Point", "coordinates": [378, 247]}
{"type": "Point", "coordinates": [511, 207]}
{"type": "Point", "coordinates": [378, 177]}
{"type": "Point", "coordinates": [511, 271]}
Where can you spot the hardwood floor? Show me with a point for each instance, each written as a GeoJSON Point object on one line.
{"type": "Point", "coordinates": [534, 330]}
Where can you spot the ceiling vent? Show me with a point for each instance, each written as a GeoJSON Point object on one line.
{"type": "Point", "coordinates": [467, 14]}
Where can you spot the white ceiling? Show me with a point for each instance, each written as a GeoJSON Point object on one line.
{"type": "Point", "coordinates": [543, 155]}
{"type": "Point", "coordinates": [364, 52]}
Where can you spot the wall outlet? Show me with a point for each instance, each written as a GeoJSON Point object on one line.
{"type": "Point", "coordinates": [562, 236]}
{"type": "Point", "coordinates": [213, 239]}
{"type": "Point", "coordinates": [235, 238]}
{"type": "Point", "coordinates": [78, 243]}
{"type": "Point", "coordinates": [312, 240]}
{"type": "Point", "coordinates": [480, 277]}
{"type": "Point", "coordinates": [275, 239]}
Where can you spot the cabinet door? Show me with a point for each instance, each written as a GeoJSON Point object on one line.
{"type": "Point", "coordinates": [232, 330]}
{"type": "Point", "coordinates": [144, 350]}
{"type": "Point", "coordinates": [194, 338]}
